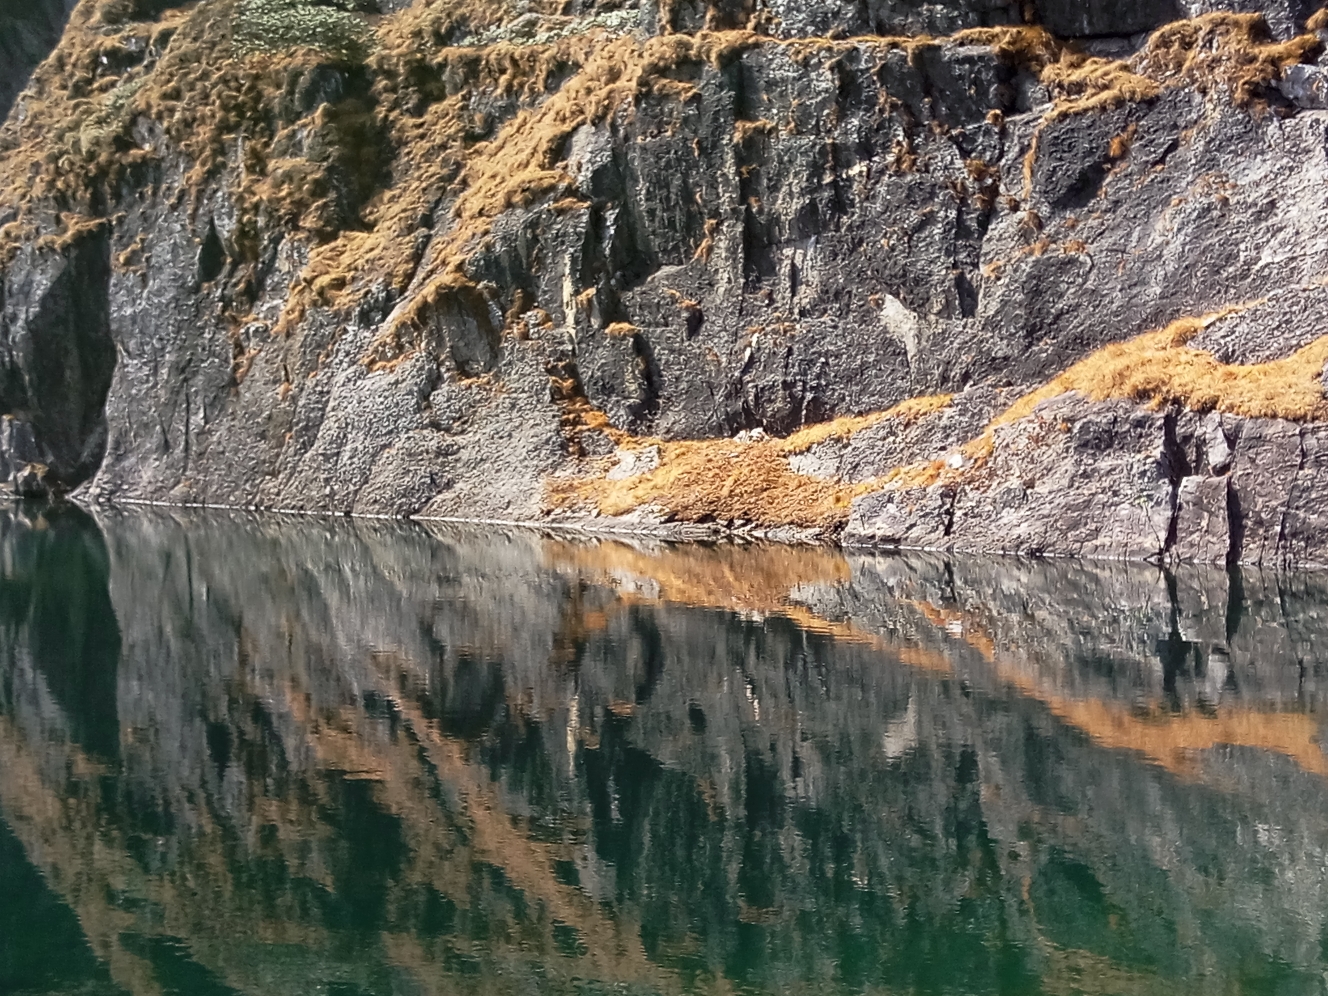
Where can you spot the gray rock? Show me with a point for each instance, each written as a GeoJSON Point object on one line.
{"type": "Point", "coordinates": [18, 447]}
{"type": "Point", "coordinates": [28, 31]}
{"type": "Point", "coordinates": [1114, 481]}
{"type": "Point", "coordinates": [1072, 18]}
{"type": "Point", "coordinates": [1203, 525]}
{"type": "Point", "coordinates": [1306, 86]}
{"type": "Point", "coordinates": [1275, 327]}
{"type": "Point", "coordinates": [57, 354]}
{"type": "Point", "coordinates": [908, 519]}
{"type": "Point", "coordinates": [1073, 479]}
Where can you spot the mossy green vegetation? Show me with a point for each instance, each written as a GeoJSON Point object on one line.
{"type": "Point", "coordinates": [281, 25]}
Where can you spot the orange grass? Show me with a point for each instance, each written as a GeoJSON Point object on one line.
{"type": "Point", "coordinates": [206, 95]}
{"type": "Point", "coordinates": [1159, 368]}
{"type": "Point", "coordinates": [1213, 53]}
{"type": "Point", "coordinates": [1225, 52]}
{"type": "Point", "coordinates": [717, 480]}
{"type": "Point", "coordinates": [726, 480]}
{"type": "Point", "coordinates": [521, 164]}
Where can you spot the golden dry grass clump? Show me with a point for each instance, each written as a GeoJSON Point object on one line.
{"type": "Point", "coordinates": [442, 151]}
{"type": "Point", "coordinates": [1158, 369]}
{"type": "Point", "coordinates": [1219, 52]}
{"type": "Point", "coordinates": [724, 480]}
{"type": "Point", "coordinates": [1232, 53]}
{"type": "Point", "coordinates": [92, 112]}
{"type": "Point", "coordinates": [1222, 53]}
{"type": "Point", "coordinates": [521, 164]}
{"type": "Point", "coordinates": [418, 143]}
{"type": "Point", "coordinates": [715, 480]}
{"type": "Point", "coordinates": [1225, 53]}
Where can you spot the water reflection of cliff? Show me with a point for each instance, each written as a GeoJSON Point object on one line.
{"type": "Point", "coordinates": [267, 756]}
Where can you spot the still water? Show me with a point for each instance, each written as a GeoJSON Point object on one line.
{"type": "Point", "coordinates": [271, 756]}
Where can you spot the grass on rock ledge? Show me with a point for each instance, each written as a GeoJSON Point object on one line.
{"type": "Point", "coordinates": [722, 480]}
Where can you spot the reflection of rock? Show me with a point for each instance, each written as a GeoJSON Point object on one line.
{"type": "Point", "coordinates": [31, 482]}
{"type": "Point", "coordinates": [472, 751]}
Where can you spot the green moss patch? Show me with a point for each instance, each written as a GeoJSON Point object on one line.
{"type": "Point", "coordinates": [281, 25]}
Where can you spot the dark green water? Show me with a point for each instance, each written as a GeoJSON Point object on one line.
{"type": "Point", "coordinates": [283, 757]}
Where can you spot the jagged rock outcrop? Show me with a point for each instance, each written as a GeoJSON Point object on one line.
{"type": "Point", "coordinates": [495, 262]}
{"type": "Point", "coordinates": [1110, 480]}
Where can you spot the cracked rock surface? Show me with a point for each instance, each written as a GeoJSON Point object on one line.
{"type": "Point", "coordinates": [1115, 481]}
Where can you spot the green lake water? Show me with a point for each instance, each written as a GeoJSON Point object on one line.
{"type": "Point", "coordinates": [285, 756]}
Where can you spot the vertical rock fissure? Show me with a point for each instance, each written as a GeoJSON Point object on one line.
{"type": "Point", "coordinates": [1178, 468]}
{"type": "Point", "coordinates": [1235, 526]}
{"type": "Point", "coordinates": [1284, 558]}
{"type": "Point", "coordinates": [59, 359]}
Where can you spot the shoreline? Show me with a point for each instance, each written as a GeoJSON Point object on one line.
{"type": "Point", "coordinates": [683, 534]}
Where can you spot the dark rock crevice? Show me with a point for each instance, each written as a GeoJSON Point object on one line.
{"type": "Point", "coordinates": [1176, 462]}
{"type": "Point", "coordinates": [58, 358]}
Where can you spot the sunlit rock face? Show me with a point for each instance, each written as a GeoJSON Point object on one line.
{"type": "Point", "coordinates": [289, 755]}
{"type": "Point", "coordinates": [470, 259]}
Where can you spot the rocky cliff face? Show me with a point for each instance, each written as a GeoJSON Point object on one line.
{"type": "Point", "coordinates": [978, 275]}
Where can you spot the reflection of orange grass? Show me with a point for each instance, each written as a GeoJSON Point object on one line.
{"type": "Point", "coordinates": [724, 479]}
{"type": "Point", "coordinates": [86, 860]}
{"type": "Point", "coordinates": [1169, 739]}
{"type": "Point", "coordinates": [345, 742]}
{"type": "Point", "coordinates": [921, 658]}
{"type": "Point", "coordinates": [1172, 740]}
{"type": "Point", "coordinates": [958, 624]}
{"type": "Point", "coordinates": [393, 765]}
{"type": "Point", "coordinates": [614, 946]}
{"type": "Point", "coordinates": [744, 579]}
{"type": "Point", "coordinates": [75, 859]}
{"type": "Point", "coordinates": [738, 578]}
{"type": "Point", "coordinates": [1083, 973]}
